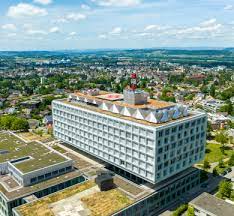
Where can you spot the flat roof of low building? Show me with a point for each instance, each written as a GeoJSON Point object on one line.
{"type": "Point", "coordinates": [212, 204]}
{"type": "Point", "coordinates": [27, 156]}
{"type": "Point", "coordinates": [25, 191]}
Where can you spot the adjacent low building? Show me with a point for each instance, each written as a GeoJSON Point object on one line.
{"type": "Point", "coordinates": [31, 168]}
{"type": "Point", "coordinates": [209, 205]}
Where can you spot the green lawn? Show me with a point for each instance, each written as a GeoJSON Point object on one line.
{"type": "Point", "coordinates": [214, 154]}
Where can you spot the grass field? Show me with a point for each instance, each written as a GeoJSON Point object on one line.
{"type": "Point", "coordinates": [214, 154]}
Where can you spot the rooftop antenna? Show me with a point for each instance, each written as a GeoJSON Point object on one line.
{"type": "Point", "coordinates": [133, 81]}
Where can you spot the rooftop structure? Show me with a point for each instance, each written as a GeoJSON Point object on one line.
{"type": "Point", "coordinates": [141, 108]}
{"type": "Point", "coordinates": [207, 204]}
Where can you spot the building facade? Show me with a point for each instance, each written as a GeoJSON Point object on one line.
{"type": "Point", "coordinates": [153, 152]}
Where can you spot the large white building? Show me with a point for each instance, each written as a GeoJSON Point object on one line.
{"type": "Point", "coordinates": [152, 140]}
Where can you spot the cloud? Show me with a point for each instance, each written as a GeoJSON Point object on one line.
{"type": "Point", "coordinates": [25, 10]}
{"type": "Point", "coordinates": [118, 3]}
{"type": "Point", "coordinates": [75, 16]}
{"type": "Point", "coordinates": [116, 31]}
{"type": "Point", "coordinates": [72, 34]}
{"type": "Point", "coordinates": [144, 34]}
{"type": "Point", "coordinates": [208, 22]}
{"type": "Point", "coordinates": [10, 27]}
{"type": "Point", "coordinates": [54, 29]}
{"type": "Point", "coordinates": [36, 32]}
{"type": "Point", "coordinates": [210, 25]}
{"type": "Point", "coordinates": [152, 27]}
{"type": "Point", "coordinates": [71, 17]}
{"type": "Point", "coordinates": [85, 7]}
{"type": "Point", "coordinates": [11, 35]}
{"type": "Point", "coordinates": [228, 7]}
{"type": "Point", "coordinates": [43, 2]}
{"type": "Point", "coordinates": [102, 36]}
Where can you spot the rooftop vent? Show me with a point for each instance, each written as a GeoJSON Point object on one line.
{"type": "Point", "coordinates": [104, 180]}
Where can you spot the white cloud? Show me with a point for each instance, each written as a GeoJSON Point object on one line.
{"type": "Point", "coordinates": [11, 35]}
{"type": "Point", "coordinates": [43, 2]}
{"type": "Point", "coordinates": [208, 26]}
{"type": "Point", "coordinates": [116, 30]}
{"type": "Point", "coordinates": [228, 7]}
{"type": "Point", "coordinates": [102, 36]}
{"type": "Point", "coordinates": [54, 29]}
{"type": "Point", "coordinates": [152, 27]}
{"type": "Point", "coordinates": [25, 10]}
{"type": "Point", "coordinates": [36, 32]}
{"type": "Point", "coordinates": [10, 27]}
{"type": "Point", "coordinates": [72, 34]}
{"type": "Point", "coordinates": [208, 22]}
{"type": "Point", "coordinates": [144, 34]}
{"type": "Point", "coordinates": [75, 16]}
{"type": "Point", "coordinates": [118, 3]}
{"type": "Point", "coordinates": [71, 17]}
{"type": "Point", "coordinates": [85, 7]}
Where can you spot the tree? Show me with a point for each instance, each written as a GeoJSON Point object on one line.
{"type": "Point", "coordinates": [225, 189]}
{"type": "Point", "coordinates": [190, 211]}
{"type": "Point", "coordinates": [212, 90]}
{"type": "Point", "coordinates": [222, 138]}
{"type": "Point", "coordinates": [231, 160]}
{"type": "Point", "coordinates": [206, 164]}
{"type": "Point", "coordinates": [13, 123]}
{"type": "Point", "coordinates": [215, 172]}
{"type": "Point", "coordinates": [229, 108]}
{"type": "Point", "coordinates": [5, 122]}
{"type": "Point", "coordinates": [20, 124]}
{"type": "Point", "coordinates": [221, 163]}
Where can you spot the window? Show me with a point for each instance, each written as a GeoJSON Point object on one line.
{"type": "Point", "coordinates": [160, 134]}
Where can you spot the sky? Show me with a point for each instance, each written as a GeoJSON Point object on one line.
{"type": "Point", "coordinates": [104, 24]}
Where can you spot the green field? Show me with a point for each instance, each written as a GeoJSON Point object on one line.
{"type": "Point", "coordinates": [214, 154]}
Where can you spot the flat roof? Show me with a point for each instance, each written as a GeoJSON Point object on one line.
{"type": "Point", "coordinates": [33, 154]}
{"type": "Point", "coordinates": [213, 205]}
{"type": "Point", "coordinates": [25, 191]}
{"type": "Point", "coordinates": [104, 97]}
{"type": "Point", "coordinates": [147, 123]}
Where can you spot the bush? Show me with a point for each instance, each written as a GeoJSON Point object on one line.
{"type": "Point", "coordinates": [221, 164]}
{"type": "Point", "coordinates": [215, 172]}
{"type": "Point", "coordinates": [225, 189]}
{"type": "Point", "coordinates": [231, 160]}
{"type": "Point", "coordinates": [206, 164]}
{"type": "Point", "coordinates": [190, 211]}
{"type": "Point", "coordinates": [179, 211]}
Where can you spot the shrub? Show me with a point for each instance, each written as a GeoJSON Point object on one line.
{"type": "Point", "coordinates": [180, 210]}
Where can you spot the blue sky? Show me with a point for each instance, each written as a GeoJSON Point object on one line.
{"type": "Point", "coordinates": [93, 24]}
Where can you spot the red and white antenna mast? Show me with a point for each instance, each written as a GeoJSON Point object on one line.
{"type": "Point", "coordinates": [133, 81]}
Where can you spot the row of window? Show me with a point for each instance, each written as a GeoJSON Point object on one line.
{"type": "Point", "coordinates": [92, 133]}
{"type": "Point", "coordinates": [98, 121]}
{"type": "Point", "coordinates": [50, 174]}
{"type": "Point", "coordinates": [178, 128]}
{"type": "Point", "coordinates": [134, 161]}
